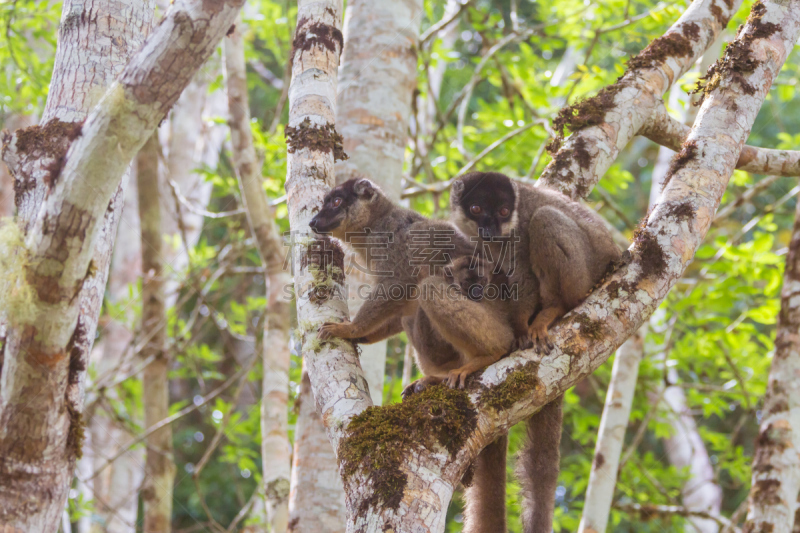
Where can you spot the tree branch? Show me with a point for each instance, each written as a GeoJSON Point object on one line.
{"type": "Point", "coordinates": [665, 130]}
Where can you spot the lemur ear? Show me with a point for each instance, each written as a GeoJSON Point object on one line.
{"type": "Point", "coordinates": [456, 190]}
{"type": "Point", "coordinates": [366, 189]}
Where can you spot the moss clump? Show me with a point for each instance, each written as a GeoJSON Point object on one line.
{"type": "Point", "coordinates": [76, 431]}
{"type": "Point", "coordinates": [379, 440]}
{"type": "Point", "coordinates": [320, 138]}
{"type": "Point", "coordinates": [673, 44]}
{"type": "Point", "coordinates": [681, 210]}
{"type": "Point", "coordinates": [738, 59]}
{"type": "Point", "coordinates": [652, 258]}
{"type": "Point", "coordinates": [516, 386]}
{"type": "Point", "coordinates": [316, 34]}
{"type": "Point", "coordinates": [16, 295]}
{"type": "Point", "coordinates": [689, 151]}
{"type": "Point", "coordinates": [588, 327]}
{"type": "Point", "coordinates": [589, 112]}
{"type": "Point", "coordinates": [767, 492]}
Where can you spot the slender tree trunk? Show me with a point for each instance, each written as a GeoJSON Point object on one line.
{"type": "Point", "coordinates": [159, 466]}
{"type": "Point", "coordinates": [373, 107]}
{"type": "Point", "coordinates": [321, 509]}
{"type": "Point", "coordinates": [776, 465]}
{"type": "Point", "coordinates": [275, 446]}
{"type": "Point", "coordinates": [611, 434]}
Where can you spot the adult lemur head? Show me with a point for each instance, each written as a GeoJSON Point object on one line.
{"type": "Point", "coordinates": [350, 207]}
{"type": "Point", "coordinates": [485, 204]}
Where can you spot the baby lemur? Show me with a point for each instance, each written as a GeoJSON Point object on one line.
{"type": "Point", "coordinates": [554, 250]}
{"type": "Point", "coordinates": [396, 245]}
{"type": "Point", "coordinates": [462, 326]}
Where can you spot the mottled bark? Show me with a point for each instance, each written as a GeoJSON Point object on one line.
{"type": "Point", "coordinates": [519, 385]}
{"type": "Point", "coordinates": [776, 465]}
{"type": "Point", "coordinates": [41, 433]}
{"type": "Point", "coordinates": [275, 446]}
{"type": "Point", "coordinates": [611, 434]}
{"type": "Point", "coordinates": [159, 466]}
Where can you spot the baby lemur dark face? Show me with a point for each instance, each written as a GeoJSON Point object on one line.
{"type": "Point", "coordinates": [486, 205]}
{"type": "Point", "coordinates": [470, 274]}
{"type": "Point", "coordinates": [345, 208]}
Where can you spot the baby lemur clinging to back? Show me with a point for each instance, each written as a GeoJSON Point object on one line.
{"type": "Point", "coordinates": [555, 250]}
{"type": "Point", "coordinates": [462, 326]}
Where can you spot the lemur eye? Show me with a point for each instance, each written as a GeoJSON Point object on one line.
{"type": "Point", "coordinates": [475, 210]}
{"type": "Point", "coordinates": [504, 212]}
{"type": "Point", "coordinates": [337, 202]}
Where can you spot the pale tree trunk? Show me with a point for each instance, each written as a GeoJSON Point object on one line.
{"type": "Point", "coordinates": [46, 346]}
{"type": "Point", "coordinates": [776, 464]}
{"type": "Point", "coordinates": [275, 446]}
{"type": "Point", "coordinates": [376, 83]}
{"type": "Point", "coordinates": [611, 434]}
{"type": "Point", "coordinates": [412, 492]}
{"type": "Point", "coordinates": [323, 507]}
{"type": "Point", "coordinates": [159, 466]}
{"type": "Point", "coordinates": [373, 105]}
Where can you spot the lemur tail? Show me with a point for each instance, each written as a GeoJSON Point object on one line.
{"type": "Point", "coordinates": [486, 495]}
{"type": "Point", "coordinates": [537, 468]}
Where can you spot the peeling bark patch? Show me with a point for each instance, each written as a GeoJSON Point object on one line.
{"type": "Point", "coordinates": [77, 353]}
{"type": "Point", "coordinates": [673, 44]}
{"type": "Point", "coordinates": [517, 385]}
{"type": "Point", "coordinates": [320, 138]}
{"type": "Point", "coordinates": [764, 527]}
{"type": "Point", "coordinates": [379, 440]}
{"type": "Point", "coordinates": [652, 259]}
{"type": "Point", "coordinates": [293, 523]}
{"type": "Point", "coordinates": [48, 142]}
{"type": "Point", "coordinates": [689, 152]}
{"type": "Point", "coordinates": [585, 113]}
{"type": "Point", "coordinates": [767, 492]}
{"type": "Point", "coordinates": [774, 437]}
{"type": "Point", "coordinates": [316, 34]}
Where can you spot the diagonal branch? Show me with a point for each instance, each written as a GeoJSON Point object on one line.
{"type": "Point", "coordinates": [604, 124]}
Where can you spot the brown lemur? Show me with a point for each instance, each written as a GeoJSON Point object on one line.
{"type": "Point", "coordinates": [554, 251]}
{"type": "Point", "coordinates": [348, 210]}
{"type": "Point", "coordinates": [396, 247]}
